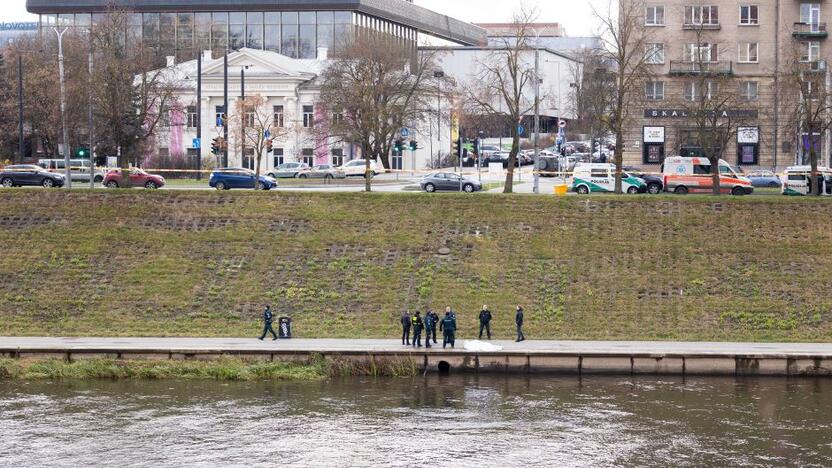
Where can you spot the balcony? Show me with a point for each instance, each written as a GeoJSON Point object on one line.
{"type": "Point", "coordinates": [810, 31]}
{"type": "Point", "coordinates": [682, 68]}
{"type": "Point", "coordinates": [701, 26]}
{"type": "Point", "coordinates": [813, 66]}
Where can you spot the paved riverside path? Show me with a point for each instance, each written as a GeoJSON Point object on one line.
{"type": "Point", "coordinates": [530, 347]}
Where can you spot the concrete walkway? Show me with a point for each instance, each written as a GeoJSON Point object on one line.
{"type": "Point", "coordinates": [572, 348]}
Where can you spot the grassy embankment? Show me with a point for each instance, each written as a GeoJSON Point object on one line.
{"type": "Point", "coordinates": [345, 265]}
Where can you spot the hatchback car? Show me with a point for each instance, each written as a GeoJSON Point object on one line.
{"type": "Point", "coordinates": [239, 178]}
{"type": "Point", "coordinates": [358, 167]}
{"type": "Point", "coordinates": [31, 175]}
{"type": "Point", "coordinates": [765, 179]}
{"type": "Point", "coordinates": [448, 182]}
{"type": "Point", "coordinates": [288, 170]}
{"type": "Point", "coordinates": [138, 178]}
{"type": "Point", "coordinates": [322, 171]}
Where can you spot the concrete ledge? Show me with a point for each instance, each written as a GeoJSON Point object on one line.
{"type": "Point", "coordinates": [756, 366]}
{"type": "Point", "coordinates": [711, 366]}
{"type": "Point", "coordinates": [553, 364]}
{"type": "Point", "coordinates": [607, 365]}
{"type": "Point", "coordinates": [658, 366]}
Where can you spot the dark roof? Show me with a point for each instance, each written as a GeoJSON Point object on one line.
{"type": "Point", "coordinates": [399, 11]}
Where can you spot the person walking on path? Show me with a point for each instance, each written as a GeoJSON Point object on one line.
{"type": "Point", "coordinates": [518, 320]}
{"type": "Point", "coordinates": [485, 321]}
{"type": "Point", "coordinates": [406, 328]}
{"type": "Point", "coordinates": [268, 317]}
{"type": "Point", "coordinates": [418, 325]}
{"type": "Point", "coordinates": [448, 329]}
{"type": "Point", "coordinates": [429, 325]}
{"type": "Point", "coordinates": [431, 332]}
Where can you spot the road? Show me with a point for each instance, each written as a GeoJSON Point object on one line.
{"type": "Point", "coordinates": [584, 348]}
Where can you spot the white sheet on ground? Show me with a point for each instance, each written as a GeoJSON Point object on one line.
{"type": "Point", "coordinates": [476, 345]}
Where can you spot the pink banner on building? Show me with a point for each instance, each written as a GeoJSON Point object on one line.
{"type": "Point", "coordinates": [177, 132]}
{"type": "Point", "coordinates": [321, 132]}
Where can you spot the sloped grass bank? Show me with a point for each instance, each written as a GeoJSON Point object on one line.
{"type": "Point", "coordinates": [141, 263]}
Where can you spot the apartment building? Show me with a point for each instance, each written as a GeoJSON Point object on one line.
{"type": "Point", "coordinates": [745, 46]}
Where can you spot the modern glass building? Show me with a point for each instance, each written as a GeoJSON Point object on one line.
{"type": "Point", "coordinates": [295, 28]}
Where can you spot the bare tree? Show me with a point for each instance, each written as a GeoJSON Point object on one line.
{"type": "Point", "coordinates": [593, 92]}
{"type": "Point", "coordinates": [131, 101]}
{"type": "Point", "coordinates": [625, 51]}
{"type": "Point", "coordinates": [259, 131]}
{"type": "Point", "coordinates": [806, 94]}
{"type": "Point", "coordinates": [373, 89]}
{"type": "Point", "coordinates": [503, 82]}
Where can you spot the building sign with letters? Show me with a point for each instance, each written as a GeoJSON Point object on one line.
{"type": "Point", "coordinates": [653, 134]}
{"type": "Point", "coordinates": [748, 135]}
{"type": "Point", "coordinates": [683, 114]}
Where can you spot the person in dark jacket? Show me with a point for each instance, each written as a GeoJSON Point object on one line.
{"type": "Point", "coordinates": [429, 324]}
{"type": "Point", "coordinates": [518, 320]}
{"type": "Point", "coordinates": [485, 321]}
{"type": "Point", "coordinates": [406, 328]}
{"type": "Point", "coordinates": [418, 325]}
{"type": "Point", "coordinates": [268, 318]}
{"type": "Point", "coordinates": [448, 328]}
{"type": "Point", "coordinates": [431, 332]}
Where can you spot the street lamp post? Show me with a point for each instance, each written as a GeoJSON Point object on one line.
{"type": "Point", "coordinates": [91, 123]}
{"type": "Point", "coordinates": [21, 147]}
{"type": "Point", "coordinates": [439, 74]}
{"type": "Point", "coordinates": [63, 103]}
{"type": "Point", "coordinates": [537, 114]}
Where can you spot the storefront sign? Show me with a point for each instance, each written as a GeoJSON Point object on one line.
{"type": "Point", "coordinates": [654, 134]}
{"type": "Point", "coordinates": [748, 135]}
{"type": "Point", "coordinates": [684, 114]}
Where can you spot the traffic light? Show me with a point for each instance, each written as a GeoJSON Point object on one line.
{"type": "Point", "coordinates": [399, 147]}
{"type": "Point", "coordinates": [269, 145]}
{"type": "Point", "coordinates": [414, 145]}
{"type": "Point", "coordinates": [215, 146]}
{"type": "Point", "coordinates": [457, 145]}
{"type": "Point", "coordinates": [82, 153]}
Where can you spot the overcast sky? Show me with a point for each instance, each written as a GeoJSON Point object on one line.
{"type": "Point", "coordinates": [575, 15]}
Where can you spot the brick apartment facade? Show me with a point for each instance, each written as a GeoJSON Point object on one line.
{"type": "Point", "coordinates": [747, 43]}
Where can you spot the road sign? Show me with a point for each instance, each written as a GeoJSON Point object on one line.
{"type": "Point", "coordinates": [562, 124]}
{"type": "Point", "coordinates": [521, 130]}
{"type": "Point", "coordinates": [197, 144]}
{"type": "Point", "coordinates": [405, 133]}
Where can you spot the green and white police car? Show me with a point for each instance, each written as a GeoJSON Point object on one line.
{"type": "Point", "coordinates": [600, 177]}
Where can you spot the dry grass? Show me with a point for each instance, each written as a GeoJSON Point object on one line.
{"type": "Point", "coordinates": [346, 265]}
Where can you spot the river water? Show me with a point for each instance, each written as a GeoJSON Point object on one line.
{"type": "Point", "coordinates": [435, 421]}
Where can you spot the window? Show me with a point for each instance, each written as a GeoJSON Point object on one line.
{"type": "Point", "coordinates": [749, 15]}
{"type": "Point", "coordinates": [602, 173]}
{"type": "Point", "coordinates": [248, 159]}
{"type": "Point", "coordinates": [337, 117]}
{"type": "Point", "coordinates": [251, 118]}
{"type": "Point", "coordinates": [654, 90]}
{"type": "Point", "coordinates": [192, 117]}
{"type": "Point", "coordinates": [278, 156]}
{"type": "Point", "coordinates": [279, 119]}
{"type": "Point", "coordinates": [219, 115]}
{"type": "Point", "coordinates": [308, 156]}
{"type": "Point", "coordinates": [655, 54]}
{"type": "Point", "coordinates": [748, 52]}
{"type": "Point", "coordinates": [705, 52]}
{"type": "Point", "coordinates": [810, 13]}
{"type": "Point", "coordinates": [707, 15]}
{"type": "Point", "coordinates": [308, 116]}
{"type": "Point", "coordinates": [812, 52]}
{"type": "Point", "coordinates": [694, 94]}
{"type": "Point", "coordinates": [749, 90]}
{"type": "Point", "coordinates": [701, 169]}
{"type": "Point", "coordinates": [654, 16]}
{"type": "Point", "coordinates": [337, 157]}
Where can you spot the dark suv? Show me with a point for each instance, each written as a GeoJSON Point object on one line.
{"type": "Point", "coordinates": [29, 174]}
{"type": "Point", "coordinates": [654, 183]}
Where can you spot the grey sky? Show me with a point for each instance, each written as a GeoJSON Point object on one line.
{"type": "Point", "coordinates": [575, 15]}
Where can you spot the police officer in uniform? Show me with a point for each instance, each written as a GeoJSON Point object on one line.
{"type": "Point", "coordinates": [431, 332]}
{"type": "Point", "coordinates": [448, 328]}
{"type": "Point", "coordinates": [518, 320]}
{"type": "Point", "coordinates": [406, 328]}
{"type": "Point", "coordinates": [268, 317]}
{"type": "Point", "coordinates": [429, 325]}
{"type": "Point", "coordinates": [418, 325]}
{"type": "Point", "coordinates": [485, 321]}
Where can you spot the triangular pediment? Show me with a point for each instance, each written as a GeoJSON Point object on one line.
{"type": "Point", "coordinates": [260, 63]}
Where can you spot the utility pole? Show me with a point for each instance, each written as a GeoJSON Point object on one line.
{"type": "Point", "coordinates": [68, 173]}
{"type": "Point", "coordinates": [21, 146]}
{"type": "Point", "coordinates": [537, 115]}
{"type": "Point", "coordinates": [243, 115]}
{"type": "Point", "coordinates": [91, 125]}
{"type": "Point", "coordinates": [439, 74]}
{"type": "Point", "coordinates": [225, 111]}
{"type": "Point", "coordinates": [199, 115]}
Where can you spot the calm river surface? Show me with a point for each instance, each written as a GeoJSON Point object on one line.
{"type": "Point", "coordinates": [435, 421]}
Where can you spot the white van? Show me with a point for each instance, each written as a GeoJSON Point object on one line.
{"type": "Point", "coordinates": [685, 175]}
{"type": "Point", "coordinates": [798, 180]}
{"type": "Point", "coordinates": [79, 169]}
{"type": "Point", "coordinates": [600, 177]}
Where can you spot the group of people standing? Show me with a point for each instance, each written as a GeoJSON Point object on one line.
{"type": "Point", "coordinates": [448, 326]}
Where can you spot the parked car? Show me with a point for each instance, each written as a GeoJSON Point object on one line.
{"type": "Point", "coordinates": [138, 178]}
{"type": "Point", "coordinates": [600, 177]}
{"type": "Point", "coordinates": [288, 170]}
{"type": "Point", "coordinates": [79, 169]}
{"type": "Point", "coordinates": [488, 150]}
{"type": "Point", "coordinates": [30, 174]}
{"type": "Point", "coordinates": [448, 182]}
{"type": "Point", "coordinates": [765, 179]}
{"type": "Point", "coordinates": [322, 171]}
{"type": "Point", "coordinates": [497, 157]}
{"type": "Point", "coordinates": [357, 168]}
{"type": "Point", "coordinates": [237, 177]}
{"type": "Point", "coordinates": [654, 182]}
